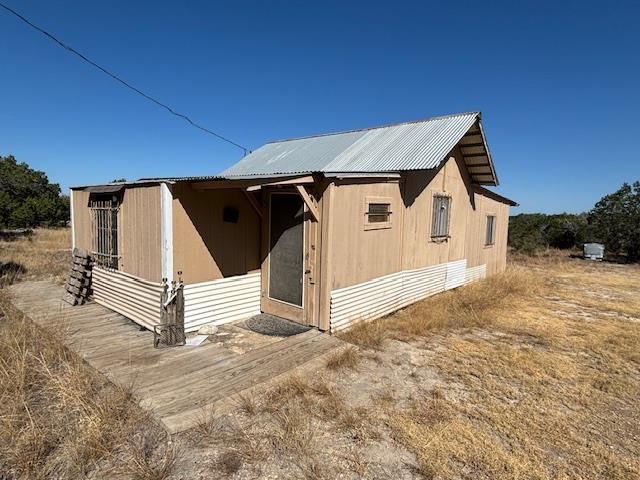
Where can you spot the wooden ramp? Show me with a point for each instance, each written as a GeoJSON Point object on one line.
{"type": "Point", "coordinates": [178, 383]}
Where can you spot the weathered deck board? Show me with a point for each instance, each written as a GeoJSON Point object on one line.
{"type": "Point", "coordinates": [174, 383]}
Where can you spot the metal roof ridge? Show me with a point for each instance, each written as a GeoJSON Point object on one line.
{"type": "Point", "coordinates": [397, 124]}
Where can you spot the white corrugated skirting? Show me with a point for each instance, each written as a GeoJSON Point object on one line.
{"type": "Point", "coordinates": [475, 273]}
{"type": "Point", "coordinates": [221, 301]}
{"type": "Point", "coordinates": [133, 297]}
{"type": "Point", "coordinates": [383, 295]}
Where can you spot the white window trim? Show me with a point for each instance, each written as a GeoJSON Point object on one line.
{"type": "Point", "coordinates": [377, 225]}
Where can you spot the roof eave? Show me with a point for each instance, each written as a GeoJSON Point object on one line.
{"type": "Point", "coordinates": [496, 182]}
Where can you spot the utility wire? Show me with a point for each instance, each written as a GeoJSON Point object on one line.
{"type": "Point", "coordinates": [118, 79]}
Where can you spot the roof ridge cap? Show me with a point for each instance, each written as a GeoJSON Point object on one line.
{"type": "Point", "coordinates": [407, 122]}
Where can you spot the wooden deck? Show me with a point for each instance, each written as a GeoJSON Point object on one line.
{"type": "Point", "coordinates": [177, 383]}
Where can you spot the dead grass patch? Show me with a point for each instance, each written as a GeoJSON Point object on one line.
{"type": "Point", "coordinates": [543, 396]}
{"type": "Point", "coordinates": [58, 417]}
{"type": "Point", "coordinates": [474, 305]}
{"type": "Point", "coordinates": [144, 462]}
{"type": "Point", "coordinates": [206, 426]}
{"type": "Point", "coordinates": [46, 253]}
{"type": "Point", "coordinates": [246, 403]}
{"type": "Point", "coordinates": [229, 461]}
{"type": "Point", "coordinates": [347, 358]}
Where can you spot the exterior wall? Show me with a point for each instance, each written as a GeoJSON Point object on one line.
{"type": "Point", "coordinates": [418, 249]}
{"type": "Point", "coordinates": [358, 255]}
{"type": "Point", "coordinates": [133, 297]}
{"type": "Point", "coordinates": [81, 219]}
{"type": "Point", "coordinates": [221, 301]}
{"type": "Point", "coordinates": [206, 248]}
{"type": "Point", "coordinates": [493, 256]}
{"type": "Point", "coordinates": [370, 273]}
{"type": "Point", "coordinates": [219, 261]}
{"type": "Point", "coordinates": [139, 232]}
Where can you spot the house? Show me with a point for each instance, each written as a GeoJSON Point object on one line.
{"type": "Point", "coordinates": [326, 230]}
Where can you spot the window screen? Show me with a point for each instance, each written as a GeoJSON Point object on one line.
{"type": "Point", "coordinates": [104, 231]}
{"type": "Point", "coordinates": [378, 212]}
{"type": "Point", "coordinates": [440, 217]}
{"type": "Point", "coordinates": [491, 230]}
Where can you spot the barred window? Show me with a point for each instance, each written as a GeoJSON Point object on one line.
{"type": "Point", "coordinates": [490, 234]}
{"type": "Point", "coordinates": [104, 231]}
{"type": "Point", "coordinates": [377, 213]}
{"type": "Point", "coordinates": [440, 216]}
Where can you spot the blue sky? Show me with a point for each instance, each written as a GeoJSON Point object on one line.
{"type": "Point", "coordinates": [557, 82]}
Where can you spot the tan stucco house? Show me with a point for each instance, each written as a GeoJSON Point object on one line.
{"type": "Point", "coordinates": [325, 230]}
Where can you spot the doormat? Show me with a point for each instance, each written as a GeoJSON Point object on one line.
{"type": "Point", "coordinates": [273, 326]}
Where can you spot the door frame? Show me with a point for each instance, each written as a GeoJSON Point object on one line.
{"type": "Point", "coordinates": [274, 306]}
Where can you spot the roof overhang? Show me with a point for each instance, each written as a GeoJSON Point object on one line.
{"type": "Point", "coordinates": [477, 156]}
{"type": "Point", "coordinates": [251, 183]}
{"type": "Point", "coordinates": [116, 186]}
{"type": "Point", "coordinates": [494, 196]}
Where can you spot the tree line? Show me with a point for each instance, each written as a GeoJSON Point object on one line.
{"type": "Point", "coordinates": [614, 221]}
{"type": "Point", "coordinates": [28, 199]}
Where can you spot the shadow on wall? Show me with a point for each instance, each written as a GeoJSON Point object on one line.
{"type": "Point", "coordinates": [415, 182]}
{"type": "Point", "coordinates": [231, 238]}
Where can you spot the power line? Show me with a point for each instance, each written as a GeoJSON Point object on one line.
{"type": "Point", "coordinates": [118, 79]}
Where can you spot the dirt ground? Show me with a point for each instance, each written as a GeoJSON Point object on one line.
{"type": "Point", "coordinates": [534, 373]}
{"type": "Point", "coordinates": [540, 383]}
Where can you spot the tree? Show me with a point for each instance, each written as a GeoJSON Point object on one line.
{"type": "Point", "coordinates": [27, 199]}
{"type": "Point", "coordinates": [615, 220]}
{"type": "Point", "coordinates": [532, 232]}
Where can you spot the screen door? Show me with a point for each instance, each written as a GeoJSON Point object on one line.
{"type": "Point", "coordinates": [286, 240]}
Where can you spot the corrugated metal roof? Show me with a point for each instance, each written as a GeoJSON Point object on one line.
{"type": "Point", "coordinates": [407, 146]}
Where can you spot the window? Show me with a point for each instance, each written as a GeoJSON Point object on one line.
{"type": "Point", "coordinates": [490, 234]}
{"type": "Point", "coordinates": [104, 231]}
{"type": "Point", "coordinates": [377, 212]}
{"type": "Point", "coordinates": [440, 217]}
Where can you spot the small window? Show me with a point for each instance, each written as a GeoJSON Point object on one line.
{"type": "Point", "coordinates": [440, 216]}
{"type": "Point", "coordinates": [104, 232]}
{"type": "Point", "coordinates": [377, 213]}
{"type": "Point", "coordinates": [490, 234]}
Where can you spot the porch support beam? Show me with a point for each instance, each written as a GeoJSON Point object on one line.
{"type": "Point", "coordinates": [253, 184]}
{"type": "Point", "coordinates": [313, 209]}
{"type": "Point", "coordinates": [254, 203]}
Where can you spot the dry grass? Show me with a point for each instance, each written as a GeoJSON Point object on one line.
{"type": "Point", "coordinates": [43, 254]}
{"type": "Point", "coordinates": [346, 358]}
{"type": "Point", "coordinates": [536, 374]}
{"type": "Point", "coordinates": [58, 417]}
{"type": "Point", "coordinates": [247, 403]}
{"type": "Point", "coordinates": [144, 462]}
{"type": "Point", "coordinates": [533, 394]}
{"type": "Point", "coordinates": [475, 305]}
